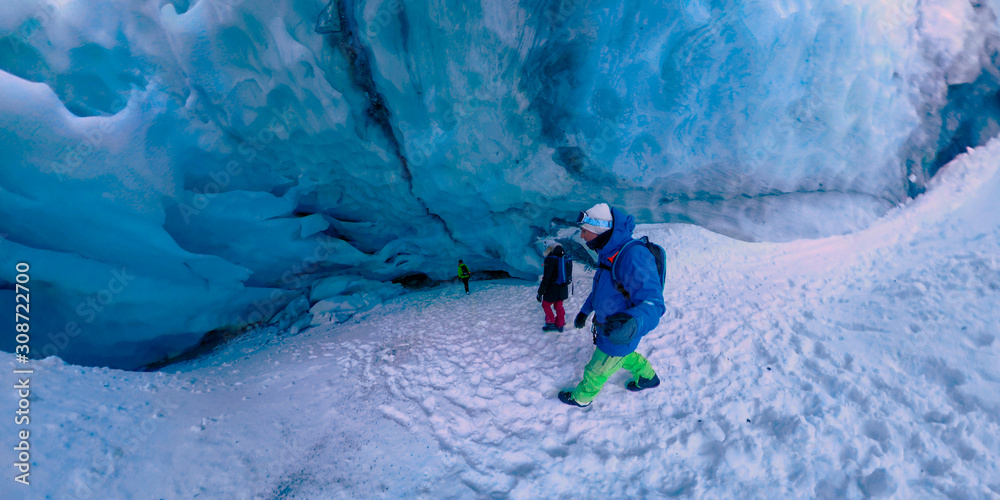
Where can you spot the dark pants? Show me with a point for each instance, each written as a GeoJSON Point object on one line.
{"type": "Point", "coordinates": [465, 281]}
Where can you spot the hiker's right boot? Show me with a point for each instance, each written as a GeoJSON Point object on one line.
{"type": "Point", "coordinates": [643, 383]}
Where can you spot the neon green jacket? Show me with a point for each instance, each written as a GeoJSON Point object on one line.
{"type": "Point", "coordinates": [463, 271]}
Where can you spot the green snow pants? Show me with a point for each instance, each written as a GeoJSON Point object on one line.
{"type": "Point", "coordinates": [602, 366]}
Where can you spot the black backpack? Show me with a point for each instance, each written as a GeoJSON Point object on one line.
{"type": "Point", "coordinates": [564, 273]}
{"type": "Point", "coordinates": [659, 256]}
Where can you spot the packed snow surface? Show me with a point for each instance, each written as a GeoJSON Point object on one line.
{"type": "Point", "coordinates": [852, 366]}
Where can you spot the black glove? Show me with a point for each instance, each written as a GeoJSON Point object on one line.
{"type": "Point", "coordinates": [580, 321]}
{"type": "Point", "coordinates": [538, 297]}
{"type": "Point", "coordinates": [621, 328]}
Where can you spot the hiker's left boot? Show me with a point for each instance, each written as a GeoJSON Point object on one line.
{"type": "Point", "coordinates": [567, 397]}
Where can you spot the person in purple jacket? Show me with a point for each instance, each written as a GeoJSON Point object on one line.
{"type": "Point", "coordinates": [620, 321]}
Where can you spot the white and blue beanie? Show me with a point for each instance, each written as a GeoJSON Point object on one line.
{"type": "Point", "coordinates": [597, 219]}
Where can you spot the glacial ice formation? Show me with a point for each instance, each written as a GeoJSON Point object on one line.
{"type": "Point", "coordinates": [174, 167]}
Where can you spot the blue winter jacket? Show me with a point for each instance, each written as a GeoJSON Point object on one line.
{"type": "Point", "coordinates": [636, 271]}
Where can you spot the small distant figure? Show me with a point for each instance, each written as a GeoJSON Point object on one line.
{"type": "Point", "coordinates": [464, 274]}
{"type": "Point", "coordinates": [627, 299]}
{"type": "Point", "coordinates": [554, 288]}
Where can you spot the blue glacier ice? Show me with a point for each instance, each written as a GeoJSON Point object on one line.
{"type": "Point", "coordinates": [178, 167]}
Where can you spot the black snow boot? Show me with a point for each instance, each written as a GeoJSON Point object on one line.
{"type": "Point", "coordinates": [567, 397]}
{"type": "Point", "coordinates": [643, 383]}
{"type": "Point", "coordinates": [549, 327]}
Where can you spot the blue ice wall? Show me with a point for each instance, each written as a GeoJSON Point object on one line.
{"type": "Point", "coordinates": [171, 168]}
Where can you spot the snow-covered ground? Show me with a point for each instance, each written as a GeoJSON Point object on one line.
{"type": "Point", "coordinates": [845, 367]}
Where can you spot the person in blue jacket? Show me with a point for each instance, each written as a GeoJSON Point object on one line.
{"type": "Point", "coordinates": [619, 322]}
